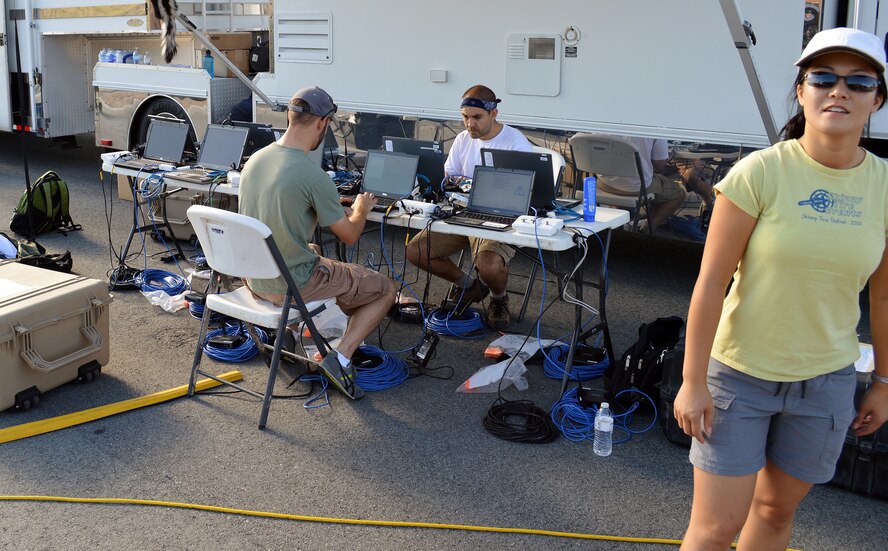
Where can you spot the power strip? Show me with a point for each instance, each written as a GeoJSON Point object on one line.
{"type": "Point", "coordinates": [532, 225]}
{"type": "Point", "coordinates": [418, 207]}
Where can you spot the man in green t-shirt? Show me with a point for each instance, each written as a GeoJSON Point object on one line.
{"type": "Point", "coordinates": [283, 188]}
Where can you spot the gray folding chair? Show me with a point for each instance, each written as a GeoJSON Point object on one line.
{"type": "Point", "coordinates": [237, 245]}
{"type": "Point", "coordinates": [612, 156]}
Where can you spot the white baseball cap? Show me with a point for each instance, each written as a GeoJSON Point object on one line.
{"type": "Point", "coordinates": [843, 39]}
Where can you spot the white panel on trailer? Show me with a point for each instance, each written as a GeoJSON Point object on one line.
{"type": "Point", "coordinates": [641, 67]}
{"type": "Point", "coordinates": [5, 100]}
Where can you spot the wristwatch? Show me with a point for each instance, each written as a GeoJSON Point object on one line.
{"type": "Point", "coordinates": [883, 380]}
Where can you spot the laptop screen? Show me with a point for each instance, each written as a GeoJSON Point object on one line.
{"type": "Point", "coordinates": [539, 163]}
{"type": "Point", "coordinates": [501, 191]}
{"type": "Point", "coordinates": [260, 135]}
{"type": "Point", "coordinates": [223, 147]}
{"type": "Point", "coordinates": [389, 174]}
{"type": "Point", "coordinates": [431, 155]}
{"type": "Point", "coordinates": [166, 140]}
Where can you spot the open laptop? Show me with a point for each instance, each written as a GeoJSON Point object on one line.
{"type": "Point", "coordinates": [389, 176]}
{"type": "Point", "coordinates": [543, 198]}
{"type": "Point", "coordinates": [259, 136]}
{"type": "Point", "coordinates": [498, 197]}
{"type": "Point", "coordinates": [222, 150]}
{"type": "Point", "coordinates": [164, 144]}
{"type": "Point", "coordinates": [431, 157]}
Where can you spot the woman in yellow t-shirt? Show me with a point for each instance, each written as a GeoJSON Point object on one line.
{"type": "Point", "coordinates": [768, 372]}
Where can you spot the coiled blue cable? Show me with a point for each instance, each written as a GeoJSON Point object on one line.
{"type": "Point", "coordinates": [246, 351]}
{"type": "Point", "coordinates": [554, 360]}
{"type": "Point", "coordinates": [390, 372]}
{"type": "Point", "coordinates": [577, 423]}
{"type": "Point", "coordinates": [153, 279]}
{"type": "Point", "coordinates": [468, 326]}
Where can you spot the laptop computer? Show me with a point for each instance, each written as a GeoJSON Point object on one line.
{"type": "Point", "coordinates": [389, 176]}
{"type": "Point", "coordinates": [543, 198]}
{"type": "Point", "coordinates": [164, 144]}
{"type": "Point", "coordinates": [222, 150]}
{"type": "Point", "coordinates": [259, 136]}
{"type": "Point", "coordinates": [431, 157]}
{"type": "Point", "coordinates": [497, 198]}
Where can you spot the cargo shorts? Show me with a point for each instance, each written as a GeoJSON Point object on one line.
{"type": "Point", "coordinates": [443, 245]}
{"type": "Point", "coordinates": [800, 426]}
{"type": "Point", "coordinates": [351, 285]}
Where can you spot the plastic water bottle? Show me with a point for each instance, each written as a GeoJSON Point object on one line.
{"type": "Point", "coordinates": [103, 55]}
{"type": "Point", "coordinates": [137, 57]}
{"type": "Point", "coordinates": [604, 430]}
{"type": "Point", "coordinates": [589, 199]}
{"type": "Point", "coordinates": [111, 56]}
{"type": "Point", "coordinates": [146, 58]}
{"type": "Point", "coordinates": [208, 63]}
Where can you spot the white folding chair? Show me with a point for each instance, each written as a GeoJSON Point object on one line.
{"type": "Point", "coordinates": [558, 165]}
{"type": "Point", "coordinates": [612, 156]}
{"type": "Point", "coordinates": [237, 245]}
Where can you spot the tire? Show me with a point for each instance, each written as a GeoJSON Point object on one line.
{"type": "Point", "coordinates": [161, 107]}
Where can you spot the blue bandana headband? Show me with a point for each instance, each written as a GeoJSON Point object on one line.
{"type": "Point", "coordinates": [473, 102]}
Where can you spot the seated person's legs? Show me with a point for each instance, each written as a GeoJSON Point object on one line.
{"type": "Point", "coordinates": [668, 198]}
{"type": "Point", "coordinates": [431, 251]}
{"type": "Point", "coordinates": [491, 261]}
{"type": "Point", "coordinates": [363, 294]}
{"type": "Point", "coordinates": [692, 174]}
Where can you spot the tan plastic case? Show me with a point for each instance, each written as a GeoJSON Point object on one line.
{"type": "Point", "coordinates": [53, 329]}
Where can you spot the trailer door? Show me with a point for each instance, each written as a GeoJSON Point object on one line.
{"type": "Point", "coordinates": [5, 107]}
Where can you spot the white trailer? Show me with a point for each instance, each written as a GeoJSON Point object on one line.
{"type": "Point", "coordinates": [687, 70]}
{"type": "Point", "coordinates": [46, 82]}
{"type": "Point", "coordinates": [666, 68]}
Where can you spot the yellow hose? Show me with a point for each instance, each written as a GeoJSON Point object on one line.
{"type": "Point", "coordinates": [43, 426]}
{"type": "Point", "coordinates": [334, 520]}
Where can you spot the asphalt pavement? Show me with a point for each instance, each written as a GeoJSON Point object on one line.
{"type": "Point", "coordinates": [415, 453]}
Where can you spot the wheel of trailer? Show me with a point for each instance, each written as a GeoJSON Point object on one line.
{"type": "Point", "coordinates": [161, 107]}
{"type": "Point", "coordinates": [35, 401]}
{"type": "Point", "coordinates": [25, 404]}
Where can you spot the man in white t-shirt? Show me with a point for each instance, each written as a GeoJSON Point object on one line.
{"type": "Point", "coordinates": [432, 251]}
{"type": "Point", "coordinates": [668, 194]}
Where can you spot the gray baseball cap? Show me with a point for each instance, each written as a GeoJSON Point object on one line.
{"type": "Point", "coordinates": [320, 104]}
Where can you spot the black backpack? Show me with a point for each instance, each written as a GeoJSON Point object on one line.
{"type": "Point", "coordinates": [641, 366]}
{"type": "Point", "coordinates": [48, 207]}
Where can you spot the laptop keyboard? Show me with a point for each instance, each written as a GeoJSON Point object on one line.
{"type": "Point", "coordinates": [507, 220]}
{"type": "Point", "coordinates": [196, 175]}
{"type": "Point", "coordinates": [138, 164]}
{"type": "Point", "coordinates": [383, 203]}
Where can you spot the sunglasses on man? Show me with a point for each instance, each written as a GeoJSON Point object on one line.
{"type": "Point", "coordinates": [855, 83]}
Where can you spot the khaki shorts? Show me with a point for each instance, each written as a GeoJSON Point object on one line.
{"type": "Point", "coordinates": [663, 187]}
{"type": "Point", "coordinates": [443, 245]}
{"type": "Point", "coordinates": [351, 285]}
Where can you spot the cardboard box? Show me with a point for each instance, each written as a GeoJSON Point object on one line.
{"type": "Point", "coordinates": [229, 41]}
{"type": "Point", "coordinates": [123, 188]}
{"type": "Point", "coordinates": [240, 58]}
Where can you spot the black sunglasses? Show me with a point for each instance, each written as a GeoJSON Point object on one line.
{"type": "Point", "coordinates": [855, 83]}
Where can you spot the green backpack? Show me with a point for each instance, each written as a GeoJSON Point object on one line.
{"type": "Point", "coordinates": [48, 207]}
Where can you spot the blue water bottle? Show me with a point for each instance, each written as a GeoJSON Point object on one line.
{"type": "Point", "coordinates": [208, 63]}
{"type": "Point", "coordinates": [589, 199]}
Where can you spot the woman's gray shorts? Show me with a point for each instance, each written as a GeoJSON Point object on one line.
{"type": "Point", "coordinates": [800, 426]}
